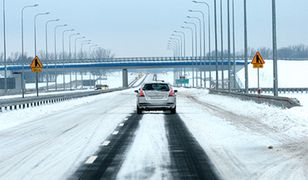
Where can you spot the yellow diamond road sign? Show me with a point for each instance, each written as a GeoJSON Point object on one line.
{"type": "Point", "coordinates": [36, 65]}
{"type": "Point", "coordinates": [258, 61]}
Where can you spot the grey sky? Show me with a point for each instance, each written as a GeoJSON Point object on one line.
{"type": "Point", "coordinates": [142, 27]}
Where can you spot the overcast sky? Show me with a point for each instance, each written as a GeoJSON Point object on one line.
{"type": "Point", "coordinates": [142, 27]}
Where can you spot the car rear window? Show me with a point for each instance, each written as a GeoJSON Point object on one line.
{"type": "Point", "coordinates": [156, 87]}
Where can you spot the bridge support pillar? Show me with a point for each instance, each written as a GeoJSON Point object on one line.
{"type": "Point", "coordinates": [125, 78]}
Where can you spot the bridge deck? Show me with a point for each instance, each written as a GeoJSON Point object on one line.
{"type": "Point", "coordinates": [206, 65]}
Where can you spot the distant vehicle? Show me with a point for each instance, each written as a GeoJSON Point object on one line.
{"type": "Point", "coordinates": [101, 87]}
{"type": "Point", "coordinates": [156, 96]}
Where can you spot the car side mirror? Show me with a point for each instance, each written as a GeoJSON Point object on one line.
{"type": "Point", "coordinates": [175, 91]}
{"type": "Point", "coordinates": [136, 91]}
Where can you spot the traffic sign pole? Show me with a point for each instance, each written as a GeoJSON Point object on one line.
{"type": "Point", "coordinates": [258, 62]}
{"type": "Point", "coordinates": [36, 66]}
{"type": "Point", "coordinates": [259, 90]}
{"type": "Point", "coordinates": [36, 84]}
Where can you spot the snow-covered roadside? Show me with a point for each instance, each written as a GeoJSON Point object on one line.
{"type": "Point", "coordinates": [42, 94]}
{"type": "Point", "coordinates": [53, 143]}
{"type": "Point", "coordinates": [237, 136]}
{"type": "Point", "coordinates": [293, 121]}
{"type": "Point", "coordinates": [13, 118]}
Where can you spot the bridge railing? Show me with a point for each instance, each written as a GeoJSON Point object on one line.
{"type": "Point", "coordinates": [121, 60]}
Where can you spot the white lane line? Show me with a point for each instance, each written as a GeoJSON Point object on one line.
{"type": "Point", "coordinates": [105, 143]}
{"type": "Point", "coordinates": [115, 133]}
{"type": "Point", "coordinates": [91, 159]}
{"type": "Point", "coordinates": [125, 119]}
{"type": "Point", "coordinates": [121, 124]}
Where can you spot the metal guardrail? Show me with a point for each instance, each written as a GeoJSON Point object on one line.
{"type": "Point", "coordinates": [270, 90]}
{"type": "Point", "coordinates": [21, 103]}
{"type": "Point", "coordinates": [283, 102]}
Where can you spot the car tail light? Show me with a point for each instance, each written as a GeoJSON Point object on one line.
{"type": "Point", "coordinates": [141, 94]}
{"type": "Point", "coordinates": [171, 92]}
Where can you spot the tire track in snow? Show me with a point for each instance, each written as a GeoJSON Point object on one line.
{"type": "Point", "coordinates": [241, 121]}
{"type": "Point", "coordinates": [188, 159]}
{"type": "Point", "coordinates": [111, 156]}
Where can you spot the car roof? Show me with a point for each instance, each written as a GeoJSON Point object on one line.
{"type": "Point", "coordinates": [156, 82]}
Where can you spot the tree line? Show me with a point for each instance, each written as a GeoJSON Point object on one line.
{"type": "Point", "coordinates": [98, 53]}
{"type": "Point", "coordinates": [291, 52]}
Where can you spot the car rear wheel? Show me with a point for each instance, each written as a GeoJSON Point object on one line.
{"type": "Point", "coordinates": [173, 110]}
{"type": "Point", "coordinates": [139, 111]}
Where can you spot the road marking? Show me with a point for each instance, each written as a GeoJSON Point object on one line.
{"type": "Point", "coordinates": [105, 143]}
{"type": "Point", "coordinates": [91, 159]}
{"type": "Point", "coordinates": [121, 125]}
{"type": "Point", "coordinates": [125, 119]}
{"type": "Point", "coordinates": [115, 133]}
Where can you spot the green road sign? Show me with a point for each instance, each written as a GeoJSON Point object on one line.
{"type": "Point", "coordinates": [182, 81]}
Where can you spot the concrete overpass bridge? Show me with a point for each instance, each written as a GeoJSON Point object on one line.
{"type": "Point", "coordinates": [68, 65]}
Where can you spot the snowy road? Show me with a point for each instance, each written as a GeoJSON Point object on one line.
{"type": "Point", "coordinates": [54, 145]}
{"type": "Point", "coordinates": [210, 136]}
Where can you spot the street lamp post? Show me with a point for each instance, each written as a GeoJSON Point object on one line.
{"type": "Point", "coordinates": [184, 42]}
{"type": "Point", "coordinates": [35, 49]}
{"type": "Point", "coordinates": [192, 40]}
{"type": "Point", "coordinates": [216, 33]}
{"type": "Point", "coordinates": [70, 47]}
{"type": "Point", "coordinates": [171, 48]}
{"type": "Point", "coordinates": [233, 38]}
{"type": "Point", "coordinates": [4, 49]}
{"type": "Point", "coordinates": [92, 46]}
{"type": "Point", "coordinates": [63, 54]}
{"type": "Point", "coordinates": [192, 51]}
{"type": "Point", "coordinates": [46, 41]}
{"type": "Point", "coordinates": [55, 44]}
{"type": "Point", "coordinates": [46, 35]}
{"type": "Point", "coordinates": [222, 46]}
{"type": "Point", "coordinates": [229, 48]}
{"type": "Point", "coordinates": [175, 47]}
{"type": "Point", "coordinates": [78, 38]}
{"type": "Point", "coordinates": [204, 47]}
{"type": "Point", "coordinates": [22, 48]}
{"type": "Point", "coordinates": [70, 55]}
{"type": "Point", "coordinates": [195, 36]}
{"type": "Point", "coordinates": [200, 33]}
{"type": "Point", "coordinates": [245, 46]}
{"type": "Point", "coordinates": [86, 42]}
{"type": "Point", "coordinates": [209, 34]}
{"type": "Point", "coordinates": [181, 43]}
{"type": "Point", "coordinates": [275, 63]}
{"type": "Point", "coordinates": [75, 56]}
{"type": "Point", "coordinates": [178, 46]}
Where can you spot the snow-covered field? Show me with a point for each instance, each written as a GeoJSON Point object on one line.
{"type": "Point", "coordinates": [290, 74]}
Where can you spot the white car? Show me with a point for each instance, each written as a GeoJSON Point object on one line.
{"type": "Point", "coordinates": [156, 96]}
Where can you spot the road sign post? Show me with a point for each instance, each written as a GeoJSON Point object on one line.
{"type": "Point", "coordinates": [36, 67]}
{"type": "Point", "coordinates": [258, 62]}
